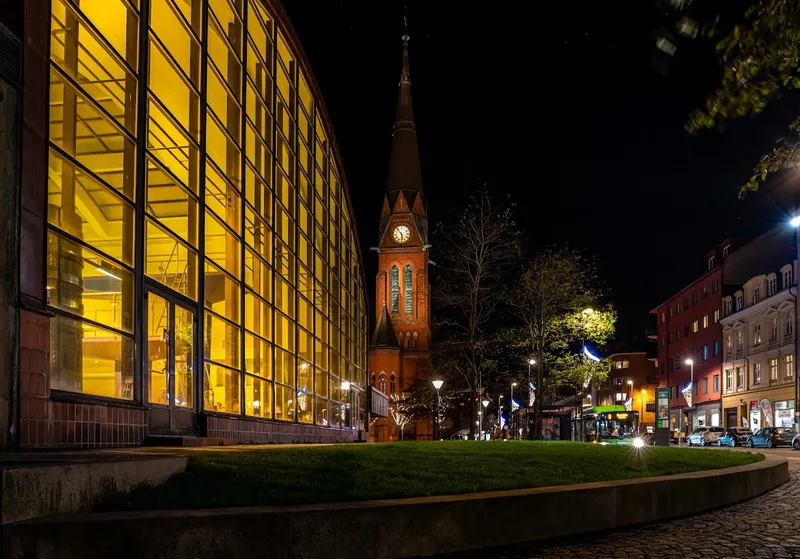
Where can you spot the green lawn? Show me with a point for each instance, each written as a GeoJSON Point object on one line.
{"type": "Point", "coordinates": [240, 477]}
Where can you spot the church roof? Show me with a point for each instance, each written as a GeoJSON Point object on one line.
{"type": "Point", "coordinates": [405, 172]}
{"type": "Point", "coordinates": [384, 335]}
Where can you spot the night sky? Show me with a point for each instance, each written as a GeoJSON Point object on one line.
{"type": "Point", "coordinates": [561, 108]}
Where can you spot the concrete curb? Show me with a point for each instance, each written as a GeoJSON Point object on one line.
{"type": "Point", "coordinates": [392, 528]}
{"type": "Point", "coordinates": [33, 491]}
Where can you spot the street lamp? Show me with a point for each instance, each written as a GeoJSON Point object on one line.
{"type": "Point", "coordinates": [511, 413]}
{"type": "Point", "coordinates": [641, 408]}
{"type": "Point", "coordinates": [630, 392]}
{"type": "Point", "coordinates": [689, 362]}
{"type": "Point", "coordinates": [795, 222]}
{"type": "Point", "coordinates": [437, 384]}
{"type": "Point", "coordinates": [485, 403]}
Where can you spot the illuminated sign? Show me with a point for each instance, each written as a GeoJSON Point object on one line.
{"type": "Point", "coordinates": [588, 354]}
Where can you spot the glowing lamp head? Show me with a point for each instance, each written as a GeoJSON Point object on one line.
{"type": "Point", "coordinates": [345, 385]}
{"type": "Point", "coordinates": [588, 311]}
{"type": "Point", "coordinates": [630, 383]}
{"type": "Point", "coordinates": [795, 221]}
{"type": "Point", "coordinates": [437, 384]}
{"type": "Point", "coordinates": [513, 384]}
{"type": "Point", "coordinates": [689, 362]}
{"type": "Point", "coordinates": [531, 361]}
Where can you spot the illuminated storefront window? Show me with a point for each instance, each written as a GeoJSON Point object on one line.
{"type": "Point", "coordinates": [199, 171]}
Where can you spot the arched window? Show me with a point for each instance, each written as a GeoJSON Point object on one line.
{"type": "Point", "coordinates": [392, 384]}
{"type": "Point", "coordinates": [415, 341]}
{"type": "Point", "coordinates": [394, 278]}
{"type": "Point", "coordinates": [382, 386]}
{"type": "Point", "coordinates": [408, 289]}
{"type": "Point", "coordinates": [408, 340]}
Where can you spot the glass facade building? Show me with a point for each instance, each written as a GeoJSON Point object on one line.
{"type": "Point", "coordinates": [201, 256]}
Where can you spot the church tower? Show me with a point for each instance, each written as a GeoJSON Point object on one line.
{"type": "Point", "coordinates": [399, 350]}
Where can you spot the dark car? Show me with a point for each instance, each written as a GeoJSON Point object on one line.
{"type": "Point", "coordinates": [771, 437]}
{"type": "Point", "coordinates": [734, 436]}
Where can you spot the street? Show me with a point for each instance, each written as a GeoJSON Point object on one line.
{"type": "Point", "coordinates": [767, 526]}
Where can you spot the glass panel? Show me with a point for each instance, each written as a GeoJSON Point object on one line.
{"type": "Point", "coordinates": [222, 149]}
{"type": "Point", "coordinates": [321, 382]}
{"type": "Point", "coordinates": [305, 345]}
{"type": "Point", "coordinates": [83, 132]}
{"type": "Point", "coordinates": [305, 406]}
{"type": "Point", "coordinates": [221, 341]}
{"type": "Point", "coordinates": [322, 411]}
{"type": "Point", "coordinates": [184, 357]}
{"type": "Point", "coordinates": [172, 89]}
{"type": "Point", "coordinates": [84, 283]}
{"type": "Point", "coordinates": [158, 327]}
{"type": "Point", "coordinates": [284, 367]}
{"type": "Point", "coordinates": [222, 294]}
{"type": "Point", "coordinates": [284, 403]}
{"type": "Point", "coordinates": [171, 203]}
{"type": "Point", "coordinates": [169, 261]}
{"type": "Point", "coordinates": [284, 332]}
{"type": "Point", "coordinates": [222, 389]}
{"type": "Point", "coordinates": [222, 246]}
{"type": "Point", "coordinates": [172, 28]}
{"type": "Point", "coordinates": [258, 315]}
{"type": "Point", "coordinates": [258, 356]}
{"type": "Point", "coordinates": [90, 360]}
{"type": "Point", "coordinates": [257, 275]}
{"type": "Point", "coordinates": [258, 397]}
{"type": "Point", "coordinates": [172, 146]}
{"type": "Point", "coordinates": [258, 194]}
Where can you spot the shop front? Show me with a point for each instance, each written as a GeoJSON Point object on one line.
{"type": "Point", "coordinates": [774, 407]}
{"type": "Point", "coordinates": [706, 415]}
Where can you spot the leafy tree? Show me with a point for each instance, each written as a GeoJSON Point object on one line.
{"type": "Point", "coordinates": [477, 253]}
{"type": "Point", "coordinates": [760, 59]}
{"type": "Point", "coordinates": [551, 301]}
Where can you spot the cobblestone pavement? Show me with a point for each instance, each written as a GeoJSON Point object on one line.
{"type": "Point", "coordinates": [767, 526]}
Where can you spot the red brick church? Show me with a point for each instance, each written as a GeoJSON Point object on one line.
{"type": "Point", "coordinates": [399, 350]}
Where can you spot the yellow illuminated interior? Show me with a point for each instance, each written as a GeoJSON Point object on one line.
{"type": "Point", "coordinates": [244, 213]}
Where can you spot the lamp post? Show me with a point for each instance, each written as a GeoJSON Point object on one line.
{"type": "Point", "coordinates": [630, 392]}
{"type": "Point", "coordinates": [500, 414]}
{"type": "Point", "coordinates": [511, 413]}
{"type": "Point", "coordinates": [690, 362]}
{"type": "Point", "coordinates": [437, 384]}
{"type": "Point", "coordinates": [485, 403]}
{"type": "Point", "coordinates": [641, 408]}
{"type": "Point", "coordinates": [531, 363]}
{"type": "Point", "coordinates": [587, 312]}
{"type": "Point", "coordinates": [795, 222]}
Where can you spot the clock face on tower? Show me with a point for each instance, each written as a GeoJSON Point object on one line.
{"type": "Point", "coordinates": [401, 234]}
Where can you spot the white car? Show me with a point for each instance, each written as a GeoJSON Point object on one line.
{"type": "Point", "coordinates": [703, 436]}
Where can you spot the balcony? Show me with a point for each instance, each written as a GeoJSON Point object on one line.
{"type": "Point", "coordinates": [739, 353]}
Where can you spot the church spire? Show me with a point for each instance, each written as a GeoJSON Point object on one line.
{"type": "Point", "coordinates": [404, 166]}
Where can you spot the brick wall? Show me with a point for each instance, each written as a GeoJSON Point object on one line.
{"type": "Point", "coordinates": [249, 431]}
{"type": "Point", "coordinates": [45, 423]}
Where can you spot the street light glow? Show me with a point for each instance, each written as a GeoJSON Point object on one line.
{"type": "Point", "coordinates": [689, 362]}
{"type": "Point", "coordinates": [531, 361]}
{"type": "Point", "coordinates": [437, 384]}
{"type": "Point", "coordinates": [588, 311]}
{"type": "Point", "coordinates": [345, 385]}
{"type": "Point", "coordinates": [630, 383]}
{"type": "Point", "coordinates": [513, 384]}
{"type": "Point", "coordinates": [795, 222]}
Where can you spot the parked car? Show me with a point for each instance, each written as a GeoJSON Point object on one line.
{"type": "Point", "coordinates": [735, 436]}
{"type": "Point", "coordinates": [796, 442]}
{"type": "Point", "coordinates": [771, 437]}
{"type": "Point", "coordinates": [704, 436]}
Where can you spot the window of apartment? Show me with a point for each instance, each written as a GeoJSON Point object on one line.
{"type": "Point", "coordinates": [670, 365]}
{"type": "Point", "coordinates": [716, 349]}
{"type": "Point", "coordinates": [705, 385]}
{"type": "Point", "coordinates": [696, 325]}
{"type": "Point", "coordinates": [739, 377]}
{"type": "Point", "coordinates": [725, 250]}
{"type": "Point", "coordinates": [788, 324]}
{"type": "Point", "coordinates": [756, 334]}
{"type": "Point", "coordinates": [685, 303]}
{"type": "Point", "coordinates": [623, 364]}
{"type": "Point", "coordinates": [705, 292]}
{"type": "Point", "coordinates": [677, 391]}
{"type": "Point", "coordinates": [739, 301]}
{"type": "Point", "coordinates": [716, 316]}
{"type": "Point", "coordinates": [705, 321]}
{"type": "Point", "coordinates": [729, 380]}
{"type": "Point", "coordinates": [714, 286]}
{"type": "Point", "coordinates": [716, 383]}
{"type": "Point", "coordinates": [772, 286]}
{"type": "Point", "coordinates": [787, 278]}
{"type": "Point", "coordinates": [711, 262]}
{"type": "Point", "coordinates": [677, 334]}
{"type": "Point", "coordinates": [694, 298]}
{"type": "Point", "coordinates": [670, 337]}
{"type": "Point", "coordinates": [663, 341]}
{"type": "Point", "coordinates": [705, 353]}
{"type": "Point", "coordinates": [773, 328]}
{"type": "Point", "coordinates": [773, 369]}
{"type": "Point", "coordinates": [757, 373]}
{"type": "Point", "coordinates": [789, 365]}
{"type": "Point", "coordinates": [728, 307]}
{"type": "Point", "coordinates": [663, 317]}
{"type": "Point", "coordinates": [739, 340]}
{"type": "Point", "coordinates": [729, 343]}
{"type": "Point", "coordinates": [756, 295]}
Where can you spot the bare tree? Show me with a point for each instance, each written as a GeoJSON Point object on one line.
{"type": "Point", "coordinates": [477, 253]}
{"type": "Point", "coordinates": [401, 408]}
{"type": "Point", "coordinates": [551, 300]}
